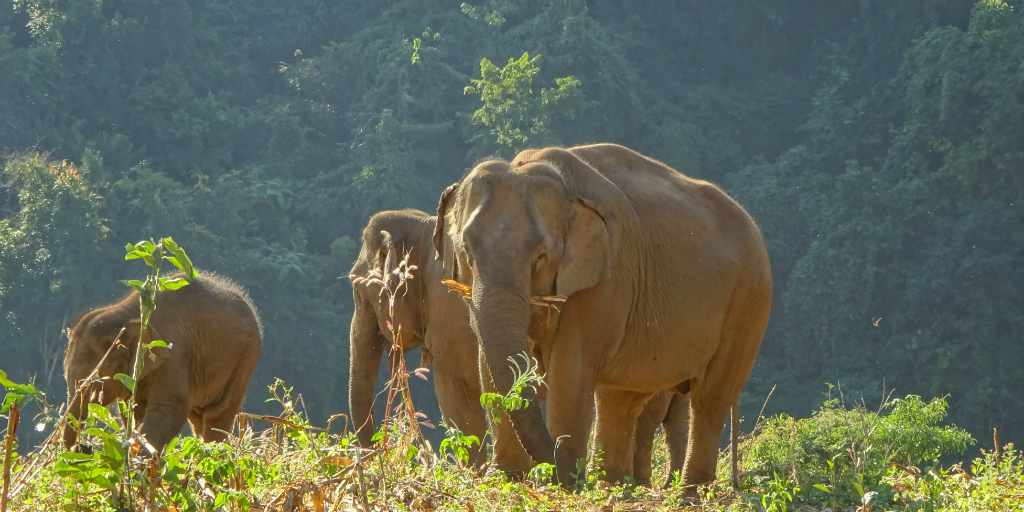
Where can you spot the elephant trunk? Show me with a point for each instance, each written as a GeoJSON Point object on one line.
{"type": "Point", "coordinates": [78, 406]}
{"type": "Point", "coordinates": [366, 348]}
{"type": "Point", "coordinates": [501, 319]}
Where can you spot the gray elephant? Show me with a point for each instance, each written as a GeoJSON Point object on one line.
{"type": "Point", "coordinates": [668, 286]}
{"type": "Point", "coordinates": [213, 335]}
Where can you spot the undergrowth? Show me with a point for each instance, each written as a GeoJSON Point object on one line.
{"type": "Point", "coordinates": [838, 458]}
{"type": "Point", "coordinates": [843, 457]}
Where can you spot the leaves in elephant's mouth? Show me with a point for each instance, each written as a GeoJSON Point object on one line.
{"type": "Point", "coordinates": [548, 301]}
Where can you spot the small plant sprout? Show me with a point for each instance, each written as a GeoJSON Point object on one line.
{"type": "Point", "coordinates": [457, 445]}
{"type": "Point", "coordinates": [526, 376]}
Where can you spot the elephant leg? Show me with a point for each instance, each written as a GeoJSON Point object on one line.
{"type": "Point", "coordinates": [617, 413]}
{"type": "Point", "coordinates": [221, 415]}
{"type": "Point", "coordinates": [570, 411]}
{"type": "Point", "coordinates": [712, 396]}
{"type": "Point", "coordinates": [214, 425]}
{"type": "Point", "coordinates": [195, 420]}
{"type": "Point", "coordinates": [509, 454]}
{"type": "Point", "coordinates": [646, 426]}
{"type": "Point", "coordinates": [458, 394]}
{"type": "Point", "coordinates": [676, 426]}
{"type": "Point", "coordinates": [165, 417]}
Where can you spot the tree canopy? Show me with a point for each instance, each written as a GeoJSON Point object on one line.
{"type": "Point", "coordinates": [877, 144]}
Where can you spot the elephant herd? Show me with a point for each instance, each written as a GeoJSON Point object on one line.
{"type": "Point", "coordinates": [667, 290]}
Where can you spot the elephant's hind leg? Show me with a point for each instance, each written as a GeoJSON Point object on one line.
{"type": "Point", "coordinates": [712, 395]}
{"type": "Point", "coordinates": [617, 413]}
{"type": "Point", "coordinates": [220, 415]}
{"type": "Point", "coordinates": [646, 426]}
{"type": "Point", "coordinates": [677, 433]}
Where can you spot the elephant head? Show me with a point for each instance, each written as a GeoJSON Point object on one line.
{"type": "Point", "coordinates": [518, 230]}
{"type": "Point", "coordinates": [105, 340]}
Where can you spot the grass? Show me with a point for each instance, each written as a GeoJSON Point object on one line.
{"type": "Point", "coordinates": [284, 463]}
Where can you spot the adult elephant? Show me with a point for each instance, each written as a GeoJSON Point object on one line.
{"type": "Point", "coordinates": [668, 286]}
{"type": "Point", "coordinates": [430, 316]}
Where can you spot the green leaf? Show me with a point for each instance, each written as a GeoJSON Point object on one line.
{"type": "Point", "coordinates": [21, 388]}
{"type": "Point", "coordinates": [134, 283]}
{"type": "Point", "coordinates": [860, 489]}
{"type": "Point", "coordinates": [822, 487]}
{"type": "Point", "coordinates": [180, 259]}
{"type": "Point", "coordinates": [102, 414]}
{"type": "Point", "coordinates": [221, 498]}
{"type": "Point", "coordinates": [103, 482]}
{"type": "Point", "coordinates": [126, 380]}
{"type": "Point", "coordinates": [172, 283]}
{"type": "Point", "coordinates": [158, 344]}
{"type": "Point", "coordinates": [72, 456]}
{"type": "Point", "coordinates": [64, 469]}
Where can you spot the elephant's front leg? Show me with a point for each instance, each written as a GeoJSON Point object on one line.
{"type": "Point", "coordinates": [458, 394]}
{"type": "Point", "coordinates": [570, 411]}
{"type": "Point", "coordinates": [164, 418]}
{"type": "Point", "coordinates": [617, 413]}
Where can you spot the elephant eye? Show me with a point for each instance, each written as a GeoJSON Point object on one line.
{"type": "Point", "coordinates": [539, 261]}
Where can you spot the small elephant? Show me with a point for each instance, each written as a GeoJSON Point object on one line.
{"type": "Point", "coordinates": [431, 316]}
{"type": "Point", "coordinates": [668, 286]}
{"type": "Point", "coordinates": [212, 332]}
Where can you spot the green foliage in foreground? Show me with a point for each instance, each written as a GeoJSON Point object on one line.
{"type": "Point", "coordinates": [840, 456]}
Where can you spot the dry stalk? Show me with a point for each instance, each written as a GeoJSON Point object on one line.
{"type": "Point", "coordinates": [12, 428]}
{"type": "Point", "coordinates": [734, 434]}
{"type": "Point", "coordinates": [548, 301]}
{"type": "Point", "coordinates": [362, 480]}
{"type": "Point", "coordinates": [995, 441]}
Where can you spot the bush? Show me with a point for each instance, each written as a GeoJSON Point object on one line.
{"type": "Point", "coordinates": [842, 453]}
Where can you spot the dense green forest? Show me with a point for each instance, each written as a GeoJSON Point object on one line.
{"type": "Point", "coordinates": [879, 145]}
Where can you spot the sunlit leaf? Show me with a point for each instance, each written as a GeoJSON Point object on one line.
{"type": "Point", "coordinates": [126, 380]}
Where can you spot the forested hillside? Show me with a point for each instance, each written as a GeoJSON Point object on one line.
{"type": "Point", "coordinates": [879, 145]}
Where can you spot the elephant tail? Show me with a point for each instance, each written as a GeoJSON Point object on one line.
{"type": "Point", "coordinates": [734, 439]}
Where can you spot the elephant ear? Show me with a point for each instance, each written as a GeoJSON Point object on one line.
{"type": "Point", "coordinates": [586, 257]}
{"type": "Point", "coordinates": [443, 207]}
{"type": "Point", "coordinates": [156, 356]}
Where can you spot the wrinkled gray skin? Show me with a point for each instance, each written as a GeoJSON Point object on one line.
{"type": "Point", "coordinates": [668, 286]}
{"type": "Point", "coordinates": [432, 317]}
{"type": "Point", "coordinates": [213, 333]}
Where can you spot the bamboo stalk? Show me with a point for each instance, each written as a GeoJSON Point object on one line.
{"type": "Point", "coordinates": [12, 428]}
